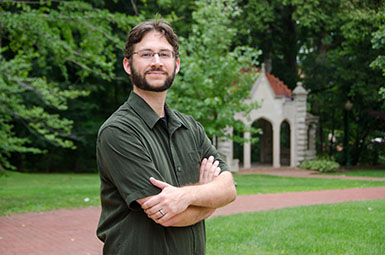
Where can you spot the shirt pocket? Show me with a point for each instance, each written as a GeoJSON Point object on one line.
{"type": "Point", "coordinates": [193, 163]}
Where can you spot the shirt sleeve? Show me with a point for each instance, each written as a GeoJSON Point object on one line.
{"type": "Point", "coordinates": [209, 149]}
{"type": "Point", "coordinates": [125, 163]}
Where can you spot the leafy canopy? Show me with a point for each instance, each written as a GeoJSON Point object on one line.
{"type": "Point", "coordinates": [215, 78]}
{"type": "Point", "coordinates": [46, 52]}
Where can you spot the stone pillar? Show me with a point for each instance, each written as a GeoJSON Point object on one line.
{"type": "Point", "coordinates": [225, 148]}
{"type": "Point", "coordinates": [300, 98]}
{"type": "Point", "coordinates": [293, 146]}
{"type": "Point", "coordinates": [247, 151]}
{"type": "Point", "coordinates": [276, 145]}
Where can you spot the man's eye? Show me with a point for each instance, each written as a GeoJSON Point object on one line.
{"type": "Point", "coordinates": [146, 54]}
{"type": "Point", "coordinates": [164, 54]}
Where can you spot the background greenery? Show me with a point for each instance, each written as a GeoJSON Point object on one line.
{"type": "Point", "coordinates": [61, 74]}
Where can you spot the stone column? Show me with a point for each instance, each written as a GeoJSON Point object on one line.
{"type": "Point", "coordinates": [276, 145]}
{"type": "Point", "coordinates": [300, 98]}
{"type": "Point", "coordinates": [247, 151]}
{"type": "Point", "coordinates": [293, 146]}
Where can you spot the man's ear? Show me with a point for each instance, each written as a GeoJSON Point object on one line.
{"type": "Point", "coordinates": [177, 66]}
{"type": "Point", "coordinates": [126, 65]}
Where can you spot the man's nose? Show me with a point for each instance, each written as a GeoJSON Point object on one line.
{"type": "Point", "coordinates": [156, 60]}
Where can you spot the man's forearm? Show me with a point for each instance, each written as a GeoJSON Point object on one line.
{"type": "Point", "coordinates": [192, 215]}
{"type": "Point", "coordinates": [217, 193]}
{"type": "Point", "coordinates": [174, 201]}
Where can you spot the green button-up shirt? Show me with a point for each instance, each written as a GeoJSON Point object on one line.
{"type": "Point", "coordinates": [133, 145]}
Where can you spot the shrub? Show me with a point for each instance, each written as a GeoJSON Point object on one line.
{"type": "Point", "coordinates": [322, 165]}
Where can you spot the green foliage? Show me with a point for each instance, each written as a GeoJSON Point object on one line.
{"type": "Point", "coordinates": [322, 165]}
{"type": "Point", "coordinates": [378, 42]}
{"type": "Point", "coordinates": [214, 80]}
{"type": "Point", "coordinates": [46, 54]}
{"type": "Point", "coordinates": [54, 54]}
{"type": "Point", "coordinates": [327, 44]}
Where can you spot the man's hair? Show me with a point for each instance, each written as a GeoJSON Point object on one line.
{"type": "Point", "coordinates": [140, 30]}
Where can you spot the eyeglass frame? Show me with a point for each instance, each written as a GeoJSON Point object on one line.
{"type": "Point", "coordinates": [153, 53]}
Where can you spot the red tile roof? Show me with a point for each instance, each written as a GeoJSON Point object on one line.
{"type": "Point", "coordinates": [278, 86]}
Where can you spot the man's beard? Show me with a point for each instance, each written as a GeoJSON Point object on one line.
{"type": "Point", "coordinates": [140, 80]}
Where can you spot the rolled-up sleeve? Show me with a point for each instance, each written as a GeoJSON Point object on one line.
{"type": "Point", "coordinates": [125, 166]}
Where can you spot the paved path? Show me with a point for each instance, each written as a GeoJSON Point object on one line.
{"type": "Point", "coordinates": [72, 232]}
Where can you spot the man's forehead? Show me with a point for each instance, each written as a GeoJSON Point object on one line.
{"type": "Point", "coordinates": [153, 39]}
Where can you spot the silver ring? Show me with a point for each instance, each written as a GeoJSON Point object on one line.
{"type": "Point", "coordinates": [161, 212]}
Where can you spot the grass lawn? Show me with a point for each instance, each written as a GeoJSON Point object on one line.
{"type": "Point", "coordinates": [363, 172]}
{"type": "Point", "coordinates": [21, 192]}
{"type": "Point", "coordinates": [354, 228]}
{"type": "Point", "coordinates": [254, 184]}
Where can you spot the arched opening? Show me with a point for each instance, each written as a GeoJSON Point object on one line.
{"type": "Point", "coordinates": [262, 150]}
{"type": "Point", "coordinates": [285, 144]}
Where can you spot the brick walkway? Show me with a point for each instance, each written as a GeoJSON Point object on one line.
{"type": "Point", "coordinates": [72, 232]}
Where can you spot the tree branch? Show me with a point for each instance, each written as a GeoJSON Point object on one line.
{"type": "Point", "coordinates": [134, 7]}
{"type": "Point", "coordinates": [89, 69]}
{"type": "Point", "coordinates": [25, 123]}
{"type": "Point", "coordinates": [26, 86]}
{"type": "Point", "coordinates": [80, 21]}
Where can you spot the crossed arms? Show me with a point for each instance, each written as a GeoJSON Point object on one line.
{"type": "Point", "coordinates": [187, 205]}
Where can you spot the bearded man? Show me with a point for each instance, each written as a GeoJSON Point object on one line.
{"type": "Point", "coordinates": [160, 175]}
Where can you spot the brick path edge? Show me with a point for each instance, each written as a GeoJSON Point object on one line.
{"type": "Point", "coordinates": [63, 232]}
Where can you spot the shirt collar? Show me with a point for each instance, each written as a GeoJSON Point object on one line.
{"type": "Point", "coordinates": [149, 116]}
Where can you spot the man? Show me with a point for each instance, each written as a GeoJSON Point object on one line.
{"type": "Point", "coordinates": [160, 175]}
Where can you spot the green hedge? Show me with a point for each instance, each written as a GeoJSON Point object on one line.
{"type": "Point", "coordinates": [322, 165]}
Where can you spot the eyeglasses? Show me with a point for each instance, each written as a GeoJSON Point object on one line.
{"type": "Point", "coordinates": [149, 54]}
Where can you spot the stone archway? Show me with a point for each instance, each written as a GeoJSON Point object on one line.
{"type": "Point", "coordinates": [285, 144]}
{"type": "Point", "coordinates": [262, 151]}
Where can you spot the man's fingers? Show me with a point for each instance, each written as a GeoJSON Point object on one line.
{"type": "Point", "coordinates": [217, 171]}
{"type": "Point", "coordinates": [154, 200]}
{"type": "Point", "coordinates": [150, 203]}
{"type": "Point", "coordinates": [158, 183]}
{"type": "Point", "coordinates": [208, 166]}
{"type": "Point", "coordinates": [208, 170]}
{"type": "Point", "coordinates": [211, 171]}
{"type": "Point", "coordinates": [164, 218]}
{"type": "Point", "coordinates": [202, 169]}
{"type": "Point", "coordinates": [160, 218]}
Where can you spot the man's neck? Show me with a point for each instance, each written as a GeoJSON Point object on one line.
{"type": "Point", "coordinates": [155, 100]}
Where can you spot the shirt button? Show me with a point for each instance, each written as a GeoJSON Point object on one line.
{"type": "Point", "coordinates": [179, 169]}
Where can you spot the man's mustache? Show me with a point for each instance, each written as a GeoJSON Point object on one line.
{"type": "Point", "coordinates": [156, 70]}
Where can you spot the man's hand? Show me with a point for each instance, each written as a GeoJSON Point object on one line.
{"type": "Point", "coordinates": [171, 201]}
{"type": "Point", "coordinates": [168, 203]}
{"type": "Point", "coordinates": [209, 170]}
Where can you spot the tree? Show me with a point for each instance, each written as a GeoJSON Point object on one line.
{"type": "Point", "coordinates": [214, 80]}
{"type": "Point", "coordinates": [47, 52]}
{"type": "Point", "coordinates": [327, 45]}
{"type": "Point", "coordinates": [337, 70]}
{"type": "Point", "coordinates": [378, 42]}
